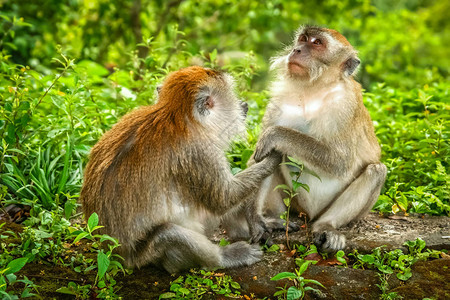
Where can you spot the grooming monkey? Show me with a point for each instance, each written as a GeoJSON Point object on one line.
{"type": "Point", "coordinates": [317, 115]}
{"type": "Point", "coordinates": [160, 175]}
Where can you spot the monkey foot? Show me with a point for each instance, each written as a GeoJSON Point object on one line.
{"type": "Point", "coordinates": [329, 240]}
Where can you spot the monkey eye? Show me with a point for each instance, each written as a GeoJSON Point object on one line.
{"type": "Point", "coordinates": [317, 42]}
{"type": "Point", "coordinates": [303, 38]}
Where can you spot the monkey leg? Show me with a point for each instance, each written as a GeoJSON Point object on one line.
{"type": "Point", "coordinates": [178, 248]}
{"type": "Point", "coordinates": [354, 203]}
{"type": "Point", "coordinates": [269, 203]}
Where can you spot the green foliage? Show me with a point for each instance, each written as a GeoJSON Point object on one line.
{"type": "Point", "coordinates": [414, 131]}
{"type": "Point", "coordinates": [200, 283]}
{"type": "Point", "coordinates": [300, 283]}
{"type": "Point", "coordinates": [395, 261]}
{"type": "Point", "coordinates": [296, 170]}
{"type": "Point", "coordinates": [8, 279]}
{"type": "Point", "coordinates": [108, 263]}
{"type": "Point", "coordinates": [384, 288]}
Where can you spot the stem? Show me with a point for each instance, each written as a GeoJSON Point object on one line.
{"type": "Point", "coordinates": [287, 226]}
{"type": "Point", "coordinates": [49, 88]}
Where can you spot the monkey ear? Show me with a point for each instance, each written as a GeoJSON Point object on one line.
{"type": "Point", "coordinates": [204, 103]}
{"type": "Point", "coordinates": [350, 65]}
{"type": "Point", "coordinates": [209, 103]}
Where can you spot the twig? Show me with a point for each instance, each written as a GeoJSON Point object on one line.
{"type": "Point", "coordinates": [55, 277]}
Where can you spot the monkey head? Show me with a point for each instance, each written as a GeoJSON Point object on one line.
{"type": "Point", "coordinates": [318, 53]}
{"type": "Point", "coordinates": [206, 99]}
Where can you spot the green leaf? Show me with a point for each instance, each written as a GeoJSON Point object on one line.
{"type": "Point", "coordinates": [296, 161]}
{"type": "Point", "coordinates": [368, 259]}
{"type": "Point", "coordinates": [213, 55]}
{"type": "Point", "coordinates": [279, 293]}
{"type": "Point", "coordinates": [184, 291]}
{"type": "Point", "coordinates": [101, 284]}
{"type": "Point", "coordinates": [405, 275]}
{"type": "Point", "coordinates": [11, 278]}
{"type": "Point", "coordinates": [293, 293]}
{"type": "Point", "coordinates": [304, 266]}
{"type": "Point", "coordinates": [93, 68]}
{"type": "Point", "coordinates": [340, 253]}
{"type": "Point", "coordinates": [311, 172]}
{"type": "Point", "coordinates": [68, 209]}
{"type": "Point", "coordinates": [282, 186]}
{"type": "Point", "coordinates": [65, 172]}
{"type": "Point", "coordinates": [106, 237]}
{"type": "Point", "coordinates": [273, 248]}
{"type": "Point", "coordinates": [296, 185]}
{"type": "Point", "coordinates": [81, 236]}
{"type": "Point", "coordinates": [27, 293]}
{"type": "Point", "coordinates": [15, 265]}
{"type": "Point", "coordinates": [103, 264]}
{"type": "Point", "coordinates": [313, 282]}
{"type": "Point", "coordinates": [308, 288]}
{"type": "Point", "coordinates": [235, 285]}
{"type": "Point", "coordinates": [167, 295]}
{"type": "Point", "coordinates": [223, 242]}
{"type": "Point", "coordinates": [284, 275]}
{"type": "Point", "coordinates": [66, 290]}
{"type": "Point", "coordinates": [93, 221]}
{"type": "Point", "coordinates": [294, 165]}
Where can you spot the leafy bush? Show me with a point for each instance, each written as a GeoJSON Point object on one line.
{"type": "Point", "coordinates": [414, 131]}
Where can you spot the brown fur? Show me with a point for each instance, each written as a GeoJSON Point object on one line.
{"type": "Point", "coordinates": [160, 175]}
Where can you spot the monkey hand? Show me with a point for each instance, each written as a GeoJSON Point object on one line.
{"type": "Point", "coordinates": [266, 144]}
{"type": "Point", "coordinates": [259, 232]}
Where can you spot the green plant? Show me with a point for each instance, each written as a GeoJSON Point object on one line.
{"type": "Point", "coordinates": [396, 261]}
{"type": "Point", "coordinates": [384, 288]}
{"type": "Point", "coordinates": [298, 290]}
{"type": "Point", "coordinates": [340, 258]}
{"type": "Point", "coordinates": [296, 170]}
{"type": "Point", "coordinates": [107, 264]}
{"type": "Point", "coordinates": [200, 283]}
{"type": "Point", "coordinates": [413, 128]}
{"type": "Point", "coordinates": [8, 279]}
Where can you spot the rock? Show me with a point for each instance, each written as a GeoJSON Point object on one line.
{"type": "Point", "coordinates": [430, 279]}
{"type": "Point", "coordinates": [375, 230]}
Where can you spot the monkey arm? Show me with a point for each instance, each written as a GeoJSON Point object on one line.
{"type": "Point", "coordinates": [212, 185]}
{"type": "Point", "coordinates": [247, 182]}
{"type": "Point", "coordinates": [312, 152]}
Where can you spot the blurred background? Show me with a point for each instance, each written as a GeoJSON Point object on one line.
{"type": "Point", "coordinates": [399, 41]}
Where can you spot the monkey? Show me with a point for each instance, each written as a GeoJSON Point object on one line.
{"type": "Point", "coordinates": [159, 176]}
{"type": "Point", "coordinates": [316, 115]}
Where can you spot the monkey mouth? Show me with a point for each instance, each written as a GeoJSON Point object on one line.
{"type": "Point", "coordinates": [295, 67]}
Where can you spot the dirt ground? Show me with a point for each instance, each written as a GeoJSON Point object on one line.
{"type": "Point", "coordinates": [430, 279]}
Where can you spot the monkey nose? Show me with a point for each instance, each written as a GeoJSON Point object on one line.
{"type": "Point", "coordinates": [297, 50]}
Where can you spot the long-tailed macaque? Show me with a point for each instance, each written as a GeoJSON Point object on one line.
{"type": "Point", "coordinates": [316, 115]}
{"type": "Point", "coordinates": [160, 175]}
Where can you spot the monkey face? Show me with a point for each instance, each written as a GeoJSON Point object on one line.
{"type": "Point", "coordinates": [316, 51]}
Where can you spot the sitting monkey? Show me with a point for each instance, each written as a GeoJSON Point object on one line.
{"type": "Point", "coordinates": [160, 175]}
{"type": "Point", "coordinates": [316, 115]}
